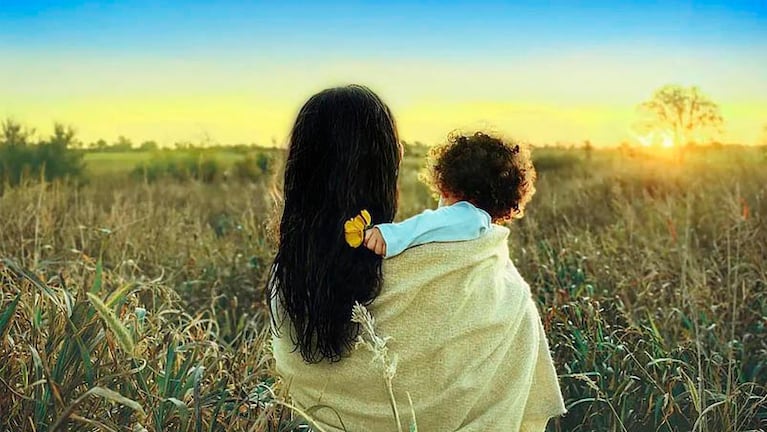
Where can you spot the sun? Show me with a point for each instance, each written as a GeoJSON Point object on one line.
{"type": "Point", "coordinates": [645, 140]}
{"type": "Point", "coordinates": [655, 138]}
{"type": "Point", "coordinates": [668, 140]}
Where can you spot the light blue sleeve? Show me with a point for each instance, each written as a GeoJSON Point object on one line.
{"type": "Point", "coordinates": [457, 222]}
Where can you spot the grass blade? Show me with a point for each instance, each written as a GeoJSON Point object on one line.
{"type": "Point", "coordinates": [121, 332]}
{"type": "Point", "coordinates": [119, 295]}
{"type": "Point", "coordinates": [34, 280]}
{"type": "Point", "coordinates": [197, 408]}
{"type": "Point", "coordinates": [101, 392]}
{"type": "Point", "coordinates": [85, 356]}
{"type": "Point", "coordinates": [98, 280]}
{"type": "Point", "coordinates": [7, 315]}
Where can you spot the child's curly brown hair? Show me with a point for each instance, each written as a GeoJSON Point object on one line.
{"type": "Point", "coordinates": [496, 176]}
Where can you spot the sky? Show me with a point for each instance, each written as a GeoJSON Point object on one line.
{"type": "Point", "coordinates": [237, 72]}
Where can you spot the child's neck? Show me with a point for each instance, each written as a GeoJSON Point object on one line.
{"type": "Point", "coordinates": [448, 200]}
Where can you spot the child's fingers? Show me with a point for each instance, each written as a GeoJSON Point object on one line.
{"type": "Point", "coordinates": [368, 235]}
{"type": "Point", "coordinates": [371, 236]}
{"type": "Point", "coordinates": [374, 241]}
{"type": "Point", "coordinates": [370, 243]}
{"type": "Point", "coordinates": [369, 239]}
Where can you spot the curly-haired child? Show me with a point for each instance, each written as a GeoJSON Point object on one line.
{"type": "Point", "coordinates": [481, 179]}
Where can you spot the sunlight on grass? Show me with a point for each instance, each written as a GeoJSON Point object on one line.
{"type": "Point", "coordinates": [649, 276]}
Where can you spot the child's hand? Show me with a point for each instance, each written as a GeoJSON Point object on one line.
{"type": "Point", "coordinates": [375, 241]}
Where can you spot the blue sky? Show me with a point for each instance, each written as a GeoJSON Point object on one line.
{"type": "Point", "coordinates": [393, 28]}
{"type": "Point", "coordinates": [542, 70]}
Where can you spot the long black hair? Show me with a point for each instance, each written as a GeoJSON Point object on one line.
{"type": "Point", "coordinates": [343, 157]}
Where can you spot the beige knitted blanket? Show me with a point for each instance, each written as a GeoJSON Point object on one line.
{"type": "Point", "coordinates": [469, 341]}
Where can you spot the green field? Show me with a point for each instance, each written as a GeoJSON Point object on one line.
{"type": "Point", "coordinates": [100, 163]}
{"type": "Point", "coordinates": [133, 305]}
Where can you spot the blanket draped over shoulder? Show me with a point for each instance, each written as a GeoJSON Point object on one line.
{"type": "Point", "coordinates": [471, 350]}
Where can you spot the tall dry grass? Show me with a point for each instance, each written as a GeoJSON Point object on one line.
{"type": "Point", "coordinates": [128, 305]}
{"type": "Point", "coordinates": [135, 307]}
{"type": "Point", "coordinates": [652, 275]}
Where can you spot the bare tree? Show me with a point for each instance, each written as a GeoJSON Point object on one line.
{"type": "Point", "coordinates": [682, 113]}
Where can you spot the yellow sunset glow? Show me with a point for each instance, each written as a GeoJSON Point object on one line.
{"type": "Point", "coordinates": [662, 138]}
{"type": "Point", "coordinates": [644, 140]}
{"type": "Point", "coordinates": [668, 140]}
{"type": "Point", "coordinates": [230, 101]}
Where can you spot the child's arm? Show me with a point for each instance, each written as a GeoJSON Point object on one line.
{"type": "Point", "coordinates": [460, 221]}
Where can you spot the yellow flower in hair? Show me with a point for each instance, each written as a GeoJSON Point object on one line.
{"type": "Point", "coordinates": [354, 228]}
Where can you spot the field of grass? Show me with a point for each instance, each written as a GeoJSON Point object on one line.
{"type": "Point", "coordinates": [100, 163]}
{"type": "Point", "coordinates": [130, 306]}
{"type": "Point", "coordinates": [108, 163]}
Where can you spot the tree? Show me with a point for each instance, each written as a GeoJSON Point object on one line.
{"type": "Point", "coordinates": [15, 157]}
{"type": "Point", "coordinates": [22, 159]}
{"type": "Point", "coordinates": [684, 114]}
{"type": "Point", "coordinates": [184, 145]}
{"type": "Point", "coordinates": [99, 145]}
{"type": "Point", "coordinates": [56, 157]}
{"type": "Point", "coordinates": [148, 146]}
{"type": "Point", "coordinates": [14, 134]}
{"type": "Point", "coordinates": [123, 144]}
{"type": "Point", "coordinates": [588, 148]}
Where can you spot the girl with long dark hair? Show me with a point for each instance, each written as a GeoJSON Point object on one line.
{"type": "Point", "coordinates": [343, 156]}
{"type": "Point", "coordinates": [455, 326]}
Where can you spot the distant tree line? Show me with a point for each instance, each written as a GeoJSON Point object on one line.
{"type": "Point", "coordinates": [683, 115]}
{"type": "Point", "coordinates": [124, 145]}
{"type": "Point", "coordinates": [24, 157]}
{"type": "Point", "coordinates": [203, 166]}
